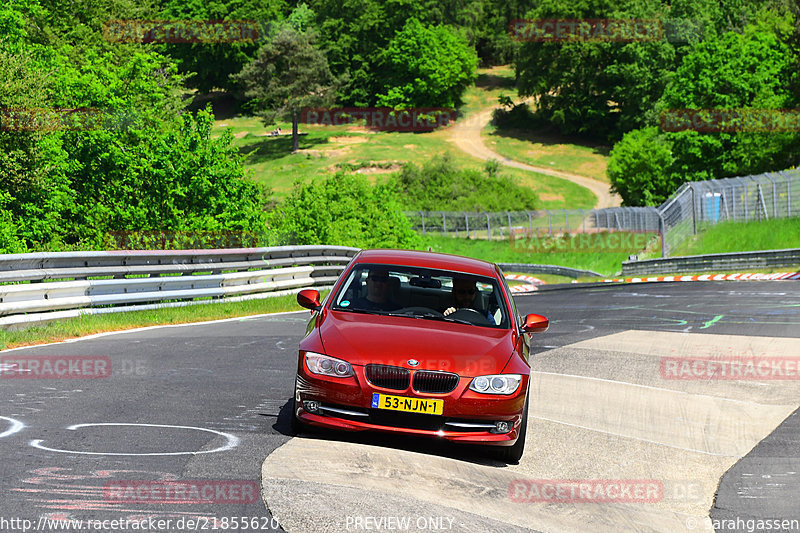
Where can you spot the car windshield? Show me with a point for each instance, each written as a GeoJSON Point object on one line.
{"type": "Point", "coordinates": [423, 293]}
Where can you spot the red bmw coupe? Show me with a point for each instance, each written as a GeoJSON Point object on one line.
{"type": "Point", "coordinates": [417, 343]}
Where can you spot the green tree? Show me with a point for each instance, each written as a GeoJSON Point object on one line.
{"type": "Point", "coordinates": [426, 67]}
{"type": "Point", "coordinates": [751, 69]}
{"type": "Point", "coordinates": [211, 65]}
{"type": "Point", "coordinates": [598, 89]}
{"type": "Point", "coordinates": [288, 74]}
{"type": "Point", "coordinates": [638, 168]}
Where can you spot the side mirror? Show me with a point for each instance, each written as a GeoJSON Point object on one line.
{"type": "Point", "coordinates": [535, 324]}
{"type": "Point", "coordinates": [309, 298]}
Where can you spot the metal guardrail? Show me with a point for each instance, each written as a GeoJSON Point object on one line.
{"type": "Point", "coordinates": [156, 278]}
{"type": "Point", "coordinates": [547, 269]}
{"type": "Point", "coordinates": [715, 262]}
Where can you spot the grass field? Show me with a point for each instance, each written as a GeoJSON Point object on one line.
{"type": "Point", "coordinates": [326, 149]}
{"type": "Point", "coordinates": [90, 324]}
{"type": "Point", "coordinates": [604, 263]}
{"type": "Point", "coordinates": [548, 150]}
{"type": "Point", "coordinates": [742, 237]}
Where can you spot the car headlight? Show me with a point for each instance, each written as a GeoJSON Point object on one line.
{"type": "Point", "coordinates": [328, 366]}
{"type": "Point", "coordinates": [496, 384]}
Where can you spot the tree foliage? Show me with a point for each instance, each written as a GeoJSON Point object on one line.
{"type": "Point", "coordinates": [211, 65]}
{"type": "Point", "coordinates": [343, 210]}
{"type": "Point", "coordinates": [426, 67]}
{"type": "Point", "coordinates": [146, 166]}
{"type": "Point", "coordinates": [728, 71]}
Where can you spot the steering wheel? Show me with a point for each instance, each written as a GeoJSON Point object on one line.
{"type": "Point", "coordinates": [470, 315]}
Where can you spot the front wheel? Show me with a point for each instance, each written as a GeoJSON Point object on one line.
{"type": "Point", "coordinates": [512, 454]}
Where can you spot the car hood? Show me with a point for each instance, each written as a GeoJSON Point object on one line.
{"type": "Point", "coordinates": [466, 350]}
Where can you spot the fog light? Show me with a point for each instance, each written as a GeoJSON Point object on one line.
{"type": "Point", "coordinates": [502, 427]}
{"type": "Point", "coordinates": [311, 406]}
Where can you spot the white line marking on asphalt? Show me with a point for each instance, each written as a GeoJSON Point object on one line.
{"type": "Point", "coordinates": [631, 437]}
{"type": "Point", "coordinates": [15, 427]}
{"type": "Point", "coordinates": [232, 441]}
{"type": "Point", "coordinates": [673, 391]}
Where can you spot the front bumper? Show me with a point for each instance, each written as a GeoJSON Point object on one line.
{"type": "Point", "coordinates": [468, 417]}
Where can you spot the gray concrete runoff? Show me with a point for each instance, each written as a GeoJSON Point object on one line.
{"type": "Point", "coordinates": [681, 435]}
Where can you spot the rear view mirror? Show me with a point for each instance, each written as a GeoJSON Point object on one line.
{"type": "Point", "coordinates": [535, 324]}
{"type": "Point", "coordinates": [309, 298]}
{"type": "Point", "coordinates": [425, 282]}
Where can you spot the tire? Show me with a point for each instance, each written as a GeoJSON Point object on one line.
{"type": "Point", "coordinates": [512, 454]}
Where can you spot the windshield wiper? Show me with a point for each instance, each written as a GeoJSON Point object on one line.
{"type": "Point", "coordinates": [439, 316]}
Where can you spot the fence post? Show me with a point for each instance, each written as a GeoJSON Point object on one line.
{"type": "Point", "coordinates": [694, 217]}
{"type": "Point", "coordinates": [488, 225]}
{"type": "Point", "coordinates": [466, 222]}
{"type": "Point", "coordinates": [422, 213]}
{"type": "Point", "coordinates": [444, 223]}
{"type": "Point", "coordinates": [662, 231]}
{"type": "Point", "coordinates": [509, 223]}
{"type": "Point", "coordinates": [745, 202]}
{"type": "Point", "coordinates": [549, 224]}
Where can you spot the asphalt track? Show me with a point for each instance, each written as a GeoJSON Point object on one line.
{"type": "Point", "coordinates": [601, 412]}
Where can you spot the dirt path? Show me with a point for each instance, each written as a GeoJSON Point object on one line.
{"type": "Point", "coordinates": [466, 134]}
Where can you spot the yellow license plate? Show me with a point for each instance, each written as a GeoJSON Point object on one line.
{"type": "Point", "coordinates": [408, 405]}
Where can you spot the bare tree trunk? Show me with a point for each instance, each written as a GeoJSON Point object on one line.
{"type": "Point", "coordinates": [295, 136]}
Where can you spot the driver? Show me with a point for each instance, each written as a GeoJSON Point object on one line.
{"type": "Point", "coordinates": [464, 291]}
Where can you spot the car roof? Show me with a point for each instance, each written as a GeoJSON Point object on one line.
{"type": "Point", "coordinates": [416, 258]}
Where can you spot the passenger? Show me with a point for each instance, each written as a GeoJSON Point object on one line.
{"type": "Point", "coordinates": [379, 292]}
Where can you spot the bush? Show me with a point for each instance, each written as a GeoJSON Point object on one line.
{"type": "Point", "coordinates": [343, 210]}
{"type": "Point", "coordinates": [440, 186]}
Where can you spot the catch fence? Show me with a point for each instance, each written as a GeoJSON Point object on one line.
{"type": "Point", "coordinates": [694, 206]}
